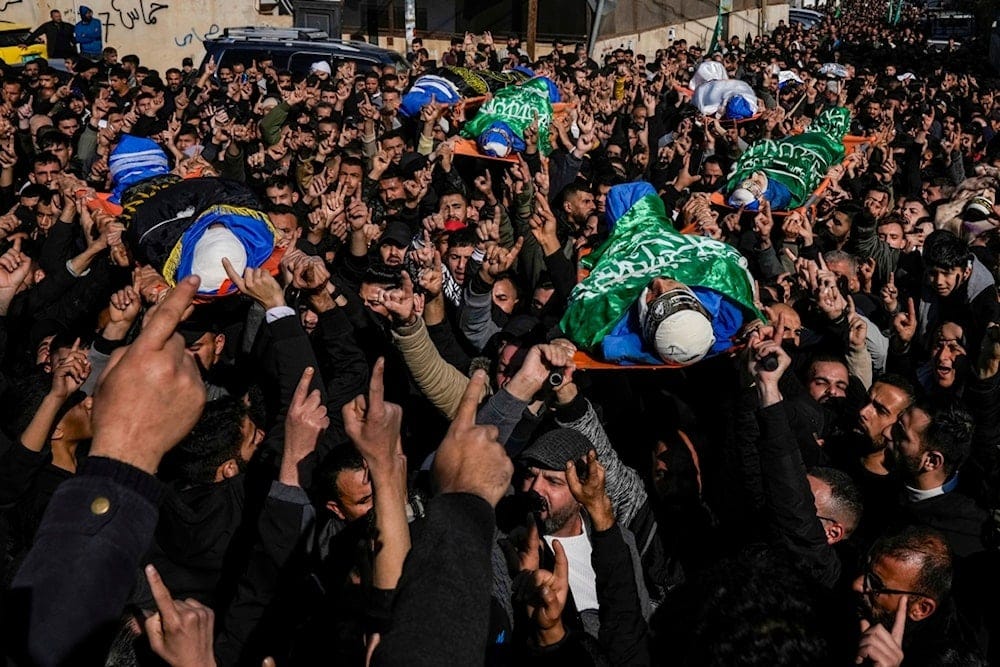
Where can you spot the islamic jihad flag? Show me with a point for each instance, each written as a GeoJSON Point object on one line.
{"type": "Point", "coordinates": [644, 245]}
{"type": "Point", "coordinates": [516, 106]}
{"type": "Point", "coordinates": [799, 162]}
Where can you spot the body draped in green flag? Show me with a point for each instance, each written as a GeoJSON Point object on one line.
{"type": "Point", "coordinates": [517, 106]}
{"type": "Point", "coordinates": [644, 245]}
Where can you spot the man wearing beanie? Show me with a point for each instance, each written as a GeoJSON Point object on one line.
{"type": "Point", "coordinates": [578, 451]}
{"type": "Point", "coordinates": [565, 479]}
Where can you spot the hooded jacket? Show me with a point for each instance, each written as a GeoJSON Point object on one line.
{"type": "Point", "coordinates": [88, 34]}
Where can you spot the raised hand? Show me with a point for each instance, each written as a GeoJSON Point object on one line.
{"type": "Point", "coordinates": [880, 647]}
{"type": "Point", "coordinates": [358, 214]}
{"type": "Point", "coordinates": [180, 632]}
{"type": "Point", "coordinates": [470, 459]}
{"type": "Point", "coordinates": [499, 260]}
{"type": "Point", "coordinates": [763, 222]}
{"type": "Point", "coordinates": [125, 305]}
{"type": "Point", "coordinates": [431, 277]}
{"type": "Point", "coordinates": [591, 492]}
{"type": "Point", "coordinates": [310, 273]}
{"type": "Point", "coordinates": [14, 269]}
{"type": "Point", "coordinates": [71, 372]}
{"type": "Point", "coordinates": [890, 295]}
{"type": "Point", "coordinates": [373, 424]}
{"type": "Point", "coordinates": [905, 324]}
{"type": "Point", "coordinates": [544, 225]}
{"type": "Point", "coordinates": [304, 424]}
{"type": "Point", "coordinates": [156, 383]}
{"type": "Point", "coordinates": [400, 302]}
{"type": "Point", "coordinates": [258, 284]}
{"type": "Point", "coordinates": [544, 595]}
{"type": "Point", "coordinates": [857, 327]}
{"type": "Point", "coordinates": [488, 231]}
{"type": "Point", "coordinates": [537, 370]}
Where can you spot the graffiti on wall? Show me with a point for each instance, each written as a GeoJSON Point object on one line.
{"type": "Point", "coordinates": [4, 4]}
{"type": "Point", "coordinates": [193, 35]}
{"type": "Point", "coordinates": [133, 12]}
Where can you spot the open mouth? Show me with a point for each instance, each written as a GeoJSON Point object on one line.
{"type": "Point", "coordinates": [943, 372]}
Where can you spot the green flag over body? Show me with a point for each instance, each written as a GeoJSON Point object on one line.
{"type": "Point", "coordinates": [517, 107]}
{"type": "Point", "coordinates": [707, 279]}
{"type": "Point", "coordinates": [786, 172]}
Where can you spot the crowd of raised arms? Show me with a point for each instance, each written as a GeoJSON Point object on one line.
{"type": "Point", "coordinates": [382, 446]}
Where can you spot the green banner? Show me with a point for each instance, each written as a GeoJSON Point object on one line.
{"type": "Point", "coordinates": [800, 161]}
{"type": "Point", "coordinates": [517, 106]}
{"type": "Point", "coordinates": [717, 33]}
{"type": "Point", "coordinates": [644, 245]}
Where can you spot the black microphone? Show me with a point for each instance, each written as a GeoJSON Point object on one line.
{"type": "Point", "coordinates": [769, 362]}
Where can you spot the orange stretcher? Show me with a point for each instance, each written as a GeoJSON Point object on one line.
{"type": "Point", "coordinates": [469, 148]}
{"type": "Point", "coordinates": [851, 144]}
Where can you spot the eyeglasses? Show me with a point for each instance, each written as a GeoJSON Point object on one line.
{"type": "Point", "coordinates": [873, 586]}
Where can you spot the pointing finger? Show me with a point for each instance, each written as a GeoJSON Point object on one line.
{"type": "Point", "coordinates": [161, 323]}
{"type": "Point", "coordinates": [376, 386]}
{"type": "Point", "coordinates": [302, 389]}
{"type": "Point", "coordinates": [899, 625]}
{"type": "Point", "coordinates": [161, 594]}
{"type": "Point", "coordinates": [233, 275]}
{"type": "Point", "coordinates": [466, 414]}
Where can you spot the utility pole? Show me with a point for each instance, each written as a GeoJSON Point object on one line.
{"type": "Point", "coordinates": [532, 27]}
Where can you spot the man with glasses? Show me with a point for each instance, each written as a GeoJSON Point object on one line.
{"type": "Point", "coordinates": [904, 594]}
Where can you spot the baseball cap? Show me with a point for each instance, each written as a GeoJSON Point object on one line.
{"type": "Point", "coordinates": [396, 233]}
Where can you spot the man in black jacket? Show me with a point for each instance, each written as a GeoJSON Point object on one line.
{"type": "Point", "coordinates": [810, 513]}
{"type": "Point", "coordinates": [58, 36]}
{"type": "Point", "coordinates": [928, 446]}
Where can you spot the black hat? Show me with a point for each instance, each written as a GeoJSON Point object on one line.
{"type": "Point", "coordinates": [396, 233]}
{"type": "Point", "coordinates": [553, 449]}
{"type": "Point", "coordinates": [187, 62]}
{"type": "Point", "coordinates": [410, 164]}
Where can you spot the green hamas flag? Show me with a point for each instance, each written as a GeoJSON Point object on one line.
{"type": "Point", "coordinates": [716, 34]}
{"type": "Point", "coordinates": [517, 106]}
{"type": "Point", "coordinates": [644, 245]}
{"type": "Point", "coordinates": [800, 161]}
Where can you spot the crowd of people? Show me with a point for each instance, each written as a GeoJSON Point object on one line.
{"type": "Point", "coordinates": [383, 446]}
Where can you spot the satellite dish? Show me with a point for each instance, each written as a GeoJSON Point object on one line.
{"type": "Point", "coordinates": [609, 6]}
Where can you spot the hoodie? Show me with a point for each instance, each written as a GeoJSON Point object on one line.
{"type": "Point", "coordinates": [88, 34]}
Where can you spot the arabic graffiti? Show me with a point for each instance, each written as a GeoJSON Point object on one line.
{"type": "Point", "coordinates": [185, 39]}
{"type": "Point", "coordinates": [128, 17]}
{"type": "Point", "coordinates": [7, 3]}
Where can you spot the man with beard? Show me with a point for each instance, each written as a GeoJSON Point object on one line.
{"type": "Point", "coordinates": [205, 342]}
{"type": "Point", "coordinates": [581, 525]}
{"type": "Point", "coordinates": [808, 513]}
{"type": "Point", "coordinates": [861, 448]}
{"type": "Point", "coordinates": [905, 598]}
{"type": "Point", "coordinates": [58, 36]}
{"type": "Point", "coordinates": [928, 447]}
{"type": "Point", "coordinates": [946, 372]}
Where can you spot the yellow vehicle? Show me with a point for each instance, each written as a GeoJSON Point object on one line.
{"type": "Point", "coordinates": [12, 46]}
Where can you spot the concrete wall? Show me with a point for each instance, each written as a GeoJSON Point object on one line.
{"type": "Point", "coordinates": [698, 31]}
{"type": "Point", "coordinates": [160, 33]}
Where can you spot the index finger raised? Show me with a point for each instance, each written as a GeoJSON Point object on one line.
{"type": "Point", "coordinates": [163, 321]}
{"type": "Point", "coordinates": [899, 625]}
{"type": "Point", "coordinates": [161, 595]}
{"type": "Point", "coordinates": [466, 414]}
